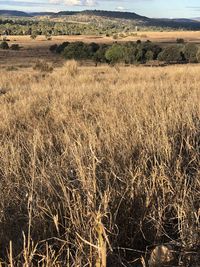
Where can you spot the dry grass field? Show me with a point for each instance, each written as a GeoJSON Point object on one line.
{"type": "Point", "coordinates": [169, 37]}
{"type": "Point", "coordinates": [99, 165]}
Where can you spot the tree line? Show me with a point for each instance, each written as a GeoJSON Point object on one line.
{"type": "Point", "coordinates": [28, 26]}
{"type": "Point", "coordinates": [129, 52]}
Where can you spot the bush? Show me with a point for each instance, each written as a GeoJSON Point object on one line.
{"type": "Point", "coordinates": [149, 55]}
{"type": "Point", "coordinates": [198, 56]}
{"type": "Point", "coordinates": [171, 54]}
{"type": "Point", "coordinates": [33, 36]}
{"type": "Point", "coordinates": [180, 41]}
{"type": "Point", "coordinates": [115, 36]}
{"type": "Point", "coordinates": [53, 48]}
{"type": "Point", "coordinates": [130, 52]}
{"type": "Point", "coordinates": [76, 50]}
{"type": "Point", "coordinates": [43, 66]}
{"type": "Point", "coordinates": [4, 45]}
{"type": "Point", "coordinates": [99, 56]}
{"type": "Point", "coordinates": [60, 48]}
{"type": "Point", "coordinates": [140, 55]}
{"type": "Point", "coordinates": [115, 54]}
{"type": "Point", "coordinates": [93, 48]}
{"type": "Point", "coordinates": [190, 53]}
{"type": "Point", "coordinates": [14, 47]}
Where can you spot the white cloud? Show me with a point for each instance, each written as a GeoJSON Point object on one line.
{"type": "Point", "coordinates": [120, 8]}
{"type": "Point", "coordinates": [74, 2]}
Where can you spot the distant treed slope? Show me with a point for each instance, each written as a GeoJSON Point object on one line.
{"type": "Point", "coordinates": [129, 16]}
{"type": "Point", "coordinates": [13, 13]}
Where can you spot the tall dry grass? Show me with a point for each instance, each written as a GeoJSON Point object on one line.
{"type": "Point", "coordinates": [98, 165]}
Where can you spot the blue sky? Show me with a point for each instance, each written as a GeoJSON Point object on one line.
{"type": "Point", "coordinates": [151, 8]}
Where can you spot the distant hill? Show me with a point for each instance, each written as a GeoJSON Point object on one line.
{"type": "Point", "coordinates": [112, 14]}
{"type": "Point", "coordinates": [34, 14]}
{"type": "Point", "coordinates": [179, 23]}
{"type": "Point", "coordinates": [13, 13]}
{"type": "Point", "coordinates": [196, 19]}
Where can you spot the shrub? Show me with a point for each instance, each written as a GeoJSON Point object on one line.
{"type": "Point", "coordinates": [60, 48]}
{"type": "Point", "coordinates": [93, 48]}
{"type": "Point", "coordinates": [4, 45]}
{"type": "Point", "coordinates": [99, 56]}
{"type": "Point", "coordinates": [180, 41]}
{"type": "Point", "coordinates": [115, 36]}
{"type": "Point", "coordinates": [115, 54]}
{"type": "Point", "coordinates": [14, 47]}
{"type": "Point", "coordinates": [48, 37]}
{"type": "Point", "coordinates": [43, 66]}
{"type": "Point", "coordinates": [198, 56]}
{"type": "Point", "coordinates": [76, 50]}
{"type": "Point", "coordinates": [140, 55]}
{"type": "Point", "coordinates": [171, 54]}
{"type": "Point", "coordinates": [33, 36]}
{"type": "Point", "coordinates": [156, 49]}
{"type": "Point", "coordinates": [190, 53]}
{"type": "Point", "coordinates": [53, 48]}
{"type": "Point", "coordinates": [130, 52]}
{"type": "Point", "coordinates": [149, 55]}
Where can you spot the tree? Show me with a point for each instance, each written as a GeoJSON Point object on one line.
{"type": "Point", "coordinates": [76, 50]}
{"type": "Point", "coordinates": [99, 56]}
{"type": "Point", "coordinates": [14, 47]}
{"type": "Point", "coordinates": [93, 47]}
{"type": "Point", "coordinates": [53, 48]}
{"type": "Point", "coordinates": [115, 54]}
{"type": "Point", "coordinates": [190, 53]}
{"type": "Point", "coordinates": [149, 55]}
{"type": "Point", "coordinates": [140, 55]}
{"type": "Point", "coordinates": [171, 54]}
{"type": "Point", "coordinates": [60, 48]}
{"type": "Point", "coordinates": [149, 46]}
{"type": "Point", "coordinates": [198, 56]}
{"type": "Point", "coordinates": [130, 52]}
{"type": "Point", "coordinates": [4, 45]}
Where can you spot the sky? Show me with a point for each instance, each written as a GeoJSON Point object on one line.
{"type": "Point", "coordinates": [150, 8]}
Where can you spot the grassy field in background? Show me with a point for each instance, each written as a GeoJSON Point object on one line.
{"type": "Point", "coordinates": [99, 164]}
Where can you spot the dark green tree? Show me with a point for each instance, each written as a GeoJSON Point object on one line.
{"type": "Point", "coordinates": [190, 53]}
{"type": "Point", "coordinates": [149, 55]}
{"type": "Point", "coordinates": [53, 48]}
{"type": "Point", "coordinates": [115, 54]}
{"type": "Point", "coordinates": [14, 47]}
{"type": "Point", "coordinates": [60, 48]}
{"type": "Point", "coordinates": [99, 56]}
{"type": "Point", "coordinates": [4, 45]}
{"type": "Point", "coordinates": [76, 50]}
{"type": "Point", "coordinates": [171, 54]}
